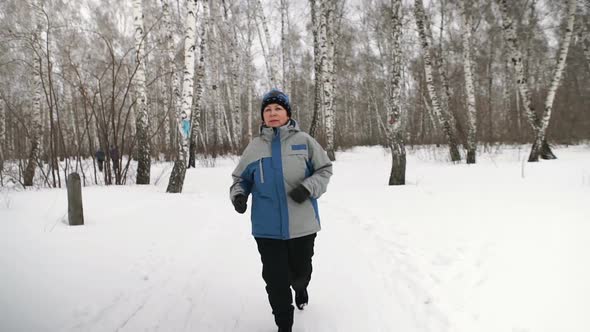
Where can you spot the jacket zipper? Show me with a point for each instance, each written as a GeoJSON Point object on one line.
{"type": "Point", "coordinates": [261, 171]}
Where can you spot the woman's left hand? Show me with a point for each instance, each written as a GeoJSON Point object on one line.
{"type": "Point", "coordinates": [299, 194]}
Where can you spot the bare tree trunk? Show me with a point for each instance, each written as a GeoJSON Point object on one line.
{"type": "Point", "coordinates": [586, 32]}
{"type": "Point", "coordinates": [273, 68]}
{"type": "Point", "coordinates": [143, 135]}
{"type": "Point", "coordinates": [470, 93]}
{"type": "Point", "coordinates": [507, 103]}
{"type": "Point", "coordinates": [172, 92]}
{"type": "Point", "coordinates": [183, 117]}
{"type": "Point", "coordinates": [196, 132]}
{"type": "Point", "coordinates": [327, 49]}
{"type": "Point", "coordinates": [218, 115]}
{"type": "Point", "coordinates": [233, 91]}
{"type": "Point", "coordinates": [284, 44]}
{"type": "Point", "coordinates": [394, 127]}
{"type": "Point", "coordinates": [265, 54]}
{"type": "Point", "coordinates": [540, 146]}
{"type": "Point", "coordinates": [490, 74]}
{"type": "Point", "coordinates": [318, 68]}
{"type": "Point", "coordinates": [442, 113]}
{"type": "Point", "coordinates": [439, 60]}
{"type": "Point", "coordinates": [226, 128]}
{"type": "Point", "coordinates": [35, 128]}
{"type": "Point", "coordinates": [517, 60]}
{"type": "Point", "coordinates": [2, 139]}
{"type": "Point", "coordinates": [249, 71]}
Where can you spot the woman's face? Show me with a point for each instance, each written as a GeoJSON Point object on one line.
{"type": "Point", "coordinates": [275, 115]}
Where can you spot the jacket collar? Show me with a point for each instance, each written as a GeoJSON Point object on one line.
{"type": "Point", "coordinates": [267, 133]}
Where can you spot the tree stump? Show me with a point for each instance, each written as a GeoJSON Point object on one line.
{"type": "Point", "coordinates": [75, 211]}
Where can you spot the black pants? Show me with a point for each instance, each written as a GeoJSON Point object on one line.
{"type": "Point", "coordinates": [285, 263]}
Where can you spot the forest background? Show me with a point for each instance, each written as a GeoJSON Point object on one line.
{"type": "Point", "coordinates": [182, 80]}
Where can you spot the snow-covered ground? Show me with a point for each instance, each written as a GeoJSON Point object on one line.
{"type": "Point", "coordinates": [498, 246]}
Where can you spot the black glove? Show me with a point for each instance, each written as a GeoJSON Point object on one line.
{"type": "Point", "coordinates": [239, 203]}
{"type": "Point", "coordinates": [299, 194]}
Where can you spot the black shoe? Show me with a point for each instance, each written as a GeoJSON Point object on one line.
{"type": "Point", "coordinates": [285, 329]}
{"type": "Point", "coordinates": [301, 298]}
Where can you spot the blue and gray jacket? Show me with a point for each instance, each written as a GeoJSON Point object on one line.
{"type": "Point", "coordinates": [271, 166]}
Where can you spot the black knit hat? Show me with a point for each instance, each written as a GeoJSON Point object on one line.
{"type": "Point", "coordinates": [275, 96]}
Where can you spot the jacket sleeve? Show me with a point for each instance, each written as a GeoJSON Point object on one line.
{"type": "Point", "coordinates": [321, 170]}
{"type": "Point", "coordinates": [242, 177]}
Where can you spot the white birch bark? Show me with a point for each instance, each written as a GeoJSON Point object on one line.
{"type": "Point", "coordinates": [142, 124]}
{"type": "Point", "coordinates": [218, 116]}
{"type": "Point", "coordinates": [36, 124]}
{"type": "Point", "coordinates": [2, 137]}
{"type": "Point", "coordinates": [183, 117]}
{"type": "Point", "coordinates": [249, 71]}
{"type": "Point", "coordinates": [171, 88]}
{"type": "Point", "coordinates": [441, 113]}
{"type": "Point", "coordinates": [431, 114]}
{"type": "Point", "coordinates": [265, 55]}
{"type": "Point", "coordinates": [327, 51]}
{"type": "Point", "coordinates": [233, 90]}
{"type": "Point", "coordinates": [226, 128]}
{"type": "Point", "coordinates": [469, 90]}
{"type": "Point", "coordinates": [317, 60]}
{"type": "Point", "coordinates": [217, 105]}
{"type": "Point", "coordinates": [284, 44]}
{"type": "Point", "coordinates": [506, 102]}
{"type": "Point", "coordinates": [72, 128]}
{"type": "Point", "coordinates": [172, 92]}
{"type": "Point", "coordinates": [393, 126]}
{"type": "Point", "coordinates": [274, 72]}
{"type": "Point", "coordinates": [231, 129]}
{"type": "Point", "coordinates": [517, 60]}
{"type": "Point", "coordinates": [558, 73]}
{"type": "Point", "coordinates": [586, 41]}
{"type": "Point", "coordinates": [439, 59]}
{"type": "Point", "coordinates": [166, 111]}
{"type": "Point", "coordinates": [586, 31]}
{"type": "Point", "coordinates": [236, 90]}
{"type": "Point", "coordinates": [539, 125]}
{"type": "Point", "coordinates": [196, 132]}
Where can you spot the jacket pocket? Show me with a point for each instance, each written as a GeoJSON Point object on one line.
{"type": "Point", "coordinates": [263, 177]}
{"type": "Point", "coordinates": [266, 219]}
{"type": "Point", "coordinates": [295, 166]}
{"type": "Point", "coordinates": [261, 167]}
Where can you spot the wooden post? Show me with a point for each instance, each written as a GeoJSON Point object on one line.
{"type": "Point", "coordinates": [75, 211]}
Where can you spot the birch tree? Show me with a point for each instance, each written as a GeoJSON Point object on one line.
{"type": "Point", "coordinates": [2, 138]}
{"type": "Point", "coordinates": [183, 115]}
{"type": "Point", "coordinates": [327, 54]}
{"type": "Point", "coordinates": [537, 148]}
{"type": "Point", "coordinates": [539, 125]}
{"type": "Point", "coordinates": [174, 102]}
{"type": "Point", "coordinates": [249, 70]}
{"type": "Point", "coordinates": [317, 61]}
{"type": "Point", "coordinates": [394, 123]}
{"type": "Point", "coordinates": [586, 31]}
{"type": "Point", "coordinates": [466, 7]}
{"type": "Point", "coordinates": [233, 89]}
{"type": "Point", "coordinates": [284, 44]}
{"type": "Point", "coordinates": [171, 101]}
{"type": "Point", "coordinates": [270, 57]}
{"type": "Point", "coordinates": [196, 132]}
{"type": "Point", "coordinates": [142, 118]}
{"type": "Point", "coordinates": [35, 128]}
{"type": "Point", "coordinates": [441, 112]}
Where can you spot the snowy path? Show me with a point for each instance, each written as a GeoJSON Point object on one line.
{"type": "Point", "coordinates": [458, 249]}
